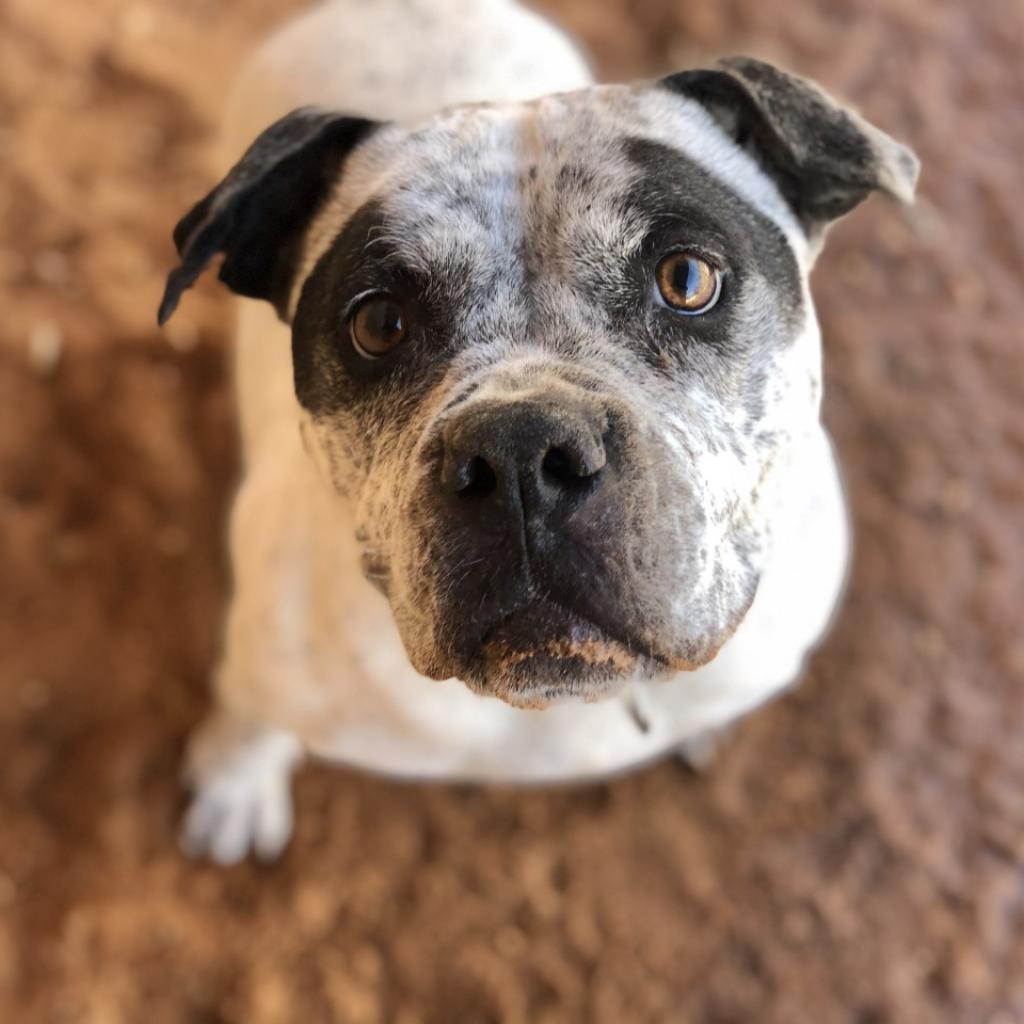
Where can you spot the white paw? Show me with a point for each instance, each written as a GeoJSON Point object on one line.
{"type": "Point", "coordinates": [241, 802]}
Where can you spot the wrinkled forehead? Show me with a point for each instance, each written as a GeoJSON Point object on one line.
{"type": "Point", "coordinates": [505, 170]}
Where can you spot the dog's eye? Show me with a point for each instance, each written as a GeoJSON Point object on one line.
{"type": "Point", "coordinates": [378, 325]}
{"type": "Point", "coordinates": [687, 283]}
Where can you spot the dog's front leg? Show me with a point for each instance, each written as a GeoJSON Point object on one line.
{"type": "Point", "coordinates": [239, 774]}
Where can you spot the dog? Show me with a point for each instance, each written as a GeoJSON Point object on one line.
{"type": "Point", "coordinates": [535, 483]}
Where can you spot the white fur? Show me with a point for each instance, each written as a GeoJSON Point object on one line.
{"type": "Point", "coordinates": [312, 655]}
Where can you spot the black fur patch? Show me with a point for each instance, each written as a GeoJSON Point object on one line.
{"type": "Point", "coordinates": [688, 208]}
{"type": "Point", "coordinates": [329, 372]}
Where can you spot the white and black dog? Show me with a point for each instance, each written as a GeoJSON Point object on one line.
{"type": "Point", "coordinates": [552, 388]}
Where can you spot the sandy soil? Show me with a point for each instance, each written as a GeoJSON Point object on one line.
{"type": "Point", "coordinates": [857, 854]}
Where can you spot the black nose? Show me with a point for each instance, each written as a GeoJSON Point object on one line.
{"type": "Point", "coordinates": [527, 456]}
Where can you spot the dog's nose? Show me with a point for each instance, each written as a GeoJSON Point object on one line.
{"type": "Point", "coordinates": [530, 453]}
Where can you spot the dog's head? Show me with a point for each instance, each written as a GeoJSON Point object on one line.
{"type": "Point", "coordinates": [555, 355]}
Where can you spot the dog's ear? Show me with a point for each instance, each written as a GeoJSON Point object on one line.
{"type": "Point", "coordinates": [824, 159]}
{"type": "Point", "coordinates": [258, 215]}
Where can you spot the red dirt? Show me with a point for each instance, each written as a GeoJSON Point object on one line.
{"type": "Point", "coordinates": [855, 855]}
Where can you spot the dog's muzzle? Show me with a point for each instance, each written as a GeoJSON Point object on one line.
{"type": "Point", "coordinates": [529, 490]}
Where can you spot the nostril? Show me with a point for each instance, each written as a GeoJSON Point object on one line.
{"type": "Point", "coordinates": [476, 478]}
{"type": "Point", "coordinates": [558, 465]}
{"type": "Point", "coordinates": [561, 467]}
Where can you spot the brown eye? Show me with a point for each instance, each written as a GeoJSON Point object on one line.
{"type": "Point", "coordinates": [378, 325]}
{"type": "Point", "coordinates": [687, 283]}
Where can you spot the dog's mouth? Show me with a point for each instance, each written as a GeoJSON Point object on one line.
{"type": "Point", "coordinates": [544, 627]}
{"type": "Point", "coordinates": [545, 651]}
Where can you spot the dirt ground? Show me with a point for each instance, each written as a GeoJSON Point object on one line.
{"type": "Point", "coordinates": [857, 853]}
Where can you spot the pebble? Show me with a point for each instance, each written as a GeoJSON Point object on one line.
{"type": "Point", "coordinates": [139, 21]}
{"type": "Point", "coordinates": [51, 266]}
{"type": "Point", "coordinates": [45, 347]}
{"type": "Point", "coordinates": [35, 695]}
{"type": "Point", "coordinates": [172, 542]}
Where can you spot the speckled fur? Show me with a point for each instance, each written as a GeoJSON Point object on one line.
{"type": "Point", "coordinates": [529, 220]}
{"type": "Point", "coordinates": [518, 216]}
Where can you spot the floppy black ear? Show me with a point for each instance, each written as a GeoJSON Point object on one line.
{"type": "Point", "coordinates": [825, 159]}
{"type": "Point", "coordinates": [257, 216]}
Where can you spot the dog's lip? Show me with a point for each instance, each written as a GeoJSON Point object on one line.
{"type": "Point", "coordinates": [546, 630]}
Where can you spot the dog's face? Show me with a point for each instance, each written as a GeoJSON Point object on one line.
{"type": "Point", "coordinates": [555, 355]}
